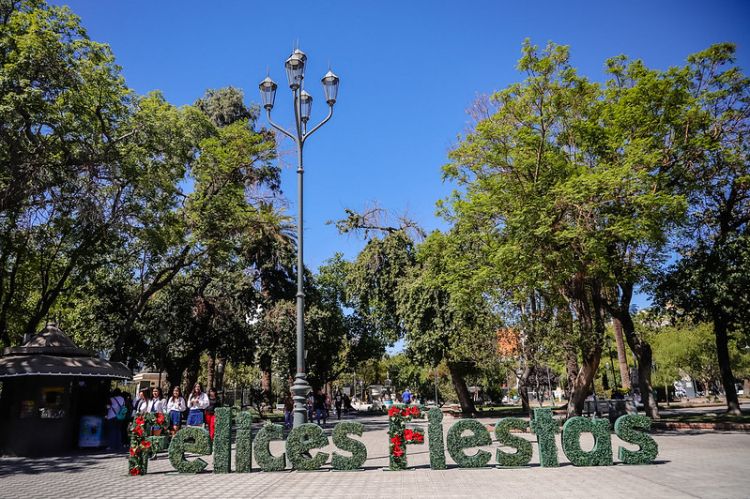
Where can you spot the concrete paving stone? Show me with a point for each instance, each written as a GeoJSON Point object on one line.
{"type": "Point", "coordinates": [703, 464]}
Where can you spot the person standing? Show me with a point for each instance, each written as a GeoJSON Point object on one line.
{"type": "Point", "coordinates": [176, 406]}
{"type": "Point", "coordinates": [310, 407]}
{"type": "Point", "coordinates": [114, 421]}
{"type": "Point", "coordinates": [197, 403]}
{"type": "Point", "coordinates": [143, 402]}
{"type": "Point", "coordinates": [288, 411]}
{"type": "Point", "coordinates": [338, 400]}
{"type": "Point", "coordinates": [158, 403]}
{"type": "Point", "coordinates": [406, 396]}
{"type": "Point", "coordinates": [320, 405]}
{"type": "Point", "coordinates": [213, 403]}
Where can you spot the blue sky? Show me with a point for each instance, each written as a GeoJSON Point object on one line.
{"type": "Point", "coordinates": [408, 71]}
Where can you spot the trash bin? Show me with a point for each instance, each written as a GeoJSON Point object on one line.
{"type": "Point", "coordinates": [90, 432]}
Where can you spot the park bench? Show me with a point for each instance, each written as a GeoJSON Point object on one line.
{"type": "Point", "coordinates": [612, 408]}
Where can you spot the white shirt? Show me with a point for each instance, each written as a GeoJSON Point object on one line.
{"type": "Point", "coordinates": [140, 405]}
{"type": "Point", "coordinates": [199, 402]}
{"type": "Point", "coordinates": [157, 406]}
{"type": "Point", "coordinates": [178, 405]}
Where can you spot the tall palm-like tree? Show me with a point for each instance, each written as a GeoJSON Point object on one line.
{"type": "Point", "coordinates": [269, 253]}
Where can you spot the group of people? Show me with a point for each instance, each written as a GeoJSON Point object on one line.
{"type": "Point", "coordinates": [318, 407]}
{"type": "Point", "coordinates": [200, 407]}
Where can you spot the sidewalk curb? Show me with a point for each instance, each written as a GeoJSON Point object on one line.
{"type": "Point", "coordinates": [668, 425]}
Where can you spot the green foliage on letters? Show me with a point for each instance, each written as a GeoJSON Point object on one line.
{"type": "Point", "coordinates": [181, 444]}
{"type": "Point", "coordinates": [625, 428]}
{"type": "Point", "coordinates": [435, 433]}
{"type": "Point", "coordinates": [223, 440]}
{"type": "Point", "coordinates": [545, 428]}
{"type": "Point", "coordinates": [243, 459]}
{"type": "Point", "coordinates": [263, 456]}
{"type": "Point", "coordinates": [343, 442]}
{"type": "Point", "coordinates": [303, 439]}
{"type": "Point", "coordinates": [600, 455]}
{"type": "Point", "coordinates": [524, 451]}
{"type": "Point", "coordinates": [457, 443]}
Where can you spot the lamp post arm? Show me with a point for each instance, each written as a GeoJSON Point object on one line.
{"type": "Point", "coordinates": [277, 127]}
{"type": "Point", "coordinates": [330, 113]}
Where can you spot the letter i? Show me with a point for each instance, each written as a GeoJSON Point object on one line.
{"type": "Point", "coordinates": [435, 437]}
{"type": "Point", "coordinates": [243, 459]}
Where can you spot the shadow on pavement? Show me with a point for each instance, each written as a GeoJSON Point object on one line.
{"type": "Point", "coordinates": [71, 463]}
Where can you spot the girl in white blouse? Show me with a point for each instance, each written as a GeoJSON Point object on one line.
{"type": "Point", "coordinates": [175, 406]}
{"type": "Point", "coordinates": [197, 402]}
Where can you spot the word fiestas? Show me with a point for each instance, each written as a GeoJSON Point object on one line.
{"type": "Point", "coordinates": [465, 434]}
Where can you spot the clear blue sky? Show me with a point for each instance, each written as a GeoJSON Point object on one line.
{"type": "Point", "coordinates": [408, 71]}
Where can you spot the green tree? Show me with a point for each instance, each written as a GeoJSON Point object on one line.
{"type": "Point", "coordinates": [709, 282]}
{"type": "Point", "coordinates": [568, 189]}
{"type": "Point", "coordinates": [66, 183]}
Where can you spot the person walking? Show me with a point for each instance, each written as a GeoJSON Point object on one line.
{"type": "Point", "coordinates": [406, 397]}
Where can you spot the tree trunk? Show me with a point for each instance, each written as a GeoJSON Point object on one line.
{"type": "Point", "coordinates": [642, 352]}
{"type": "Point", "coordinates": [725, 367]}
{"type": "Point", "coordinates": [190, 376]}
{"type": "Point", "coordinates": [523, 389]}
{"type": "Point", "coordinates": [622, 355]}
{"type": "Point", "coordinates": [640, 348]}
{"type": "Point", "coordinates": [459, 385]}
{"type": "Point", "coordinates": [266, 362]}
{"type": "Point", "coordinates": [581, 384]}
{"type": "Point", "coordinates": [571, 365]}
{"type": "Point", "coordinates": [210, 365]}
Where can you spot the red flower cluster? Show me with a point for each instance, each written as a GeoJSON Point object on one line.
{"type": "Point", "coordinates": [413, 435]}
{"type": "Point", "coordinates": [139, 443]}
{"type": "Point", "coordinates": [402, 436]}
{"type": "Point", "coordinates": [409, 411]}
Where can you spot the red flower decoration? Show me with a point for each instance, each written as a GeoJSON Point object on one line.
{"type": "Point", "coordinates": [408, 434]}
{"type": "Point", "coordinates": [398, 451]}
{"type": "Point", "coordinates": [396, 440]}
{"type": "Point", "coordinates": [135, 471]}
{"type": "Point", "coordinates": [146, 444]}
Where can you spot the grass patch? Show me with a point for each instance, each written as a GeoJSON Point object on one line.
{"type": "Point", "coordinates": [707, 418]}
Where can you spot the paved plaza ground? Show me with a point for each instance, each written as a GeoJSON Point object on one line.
{"type": "Point", "coordinates": [704, 464]}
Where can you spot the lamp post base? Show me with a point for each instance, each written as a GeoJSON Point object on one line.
{"type": "Point", "coordinates": [301, 389]}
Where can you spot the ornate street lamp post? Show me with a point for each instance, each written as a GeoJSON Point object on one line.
{"type": "Point", "coordinates": [295, 73]}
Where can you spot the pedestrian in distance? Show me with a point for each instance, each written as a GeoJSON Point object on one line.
{"type": "Point", "coordinates": [213, 403]}
{"type": "Point", "coordinates": [320, 405]}
{"type": "Point", "coordinates": [288, 411]}
{"type": "Point", "coordinates": [406, 396]}
{"type": "Point", "coordinates": [338, 400]}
